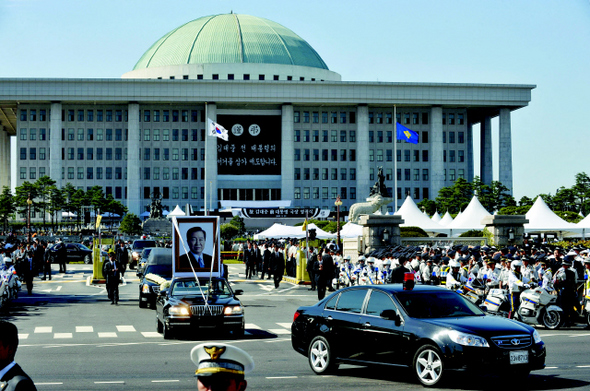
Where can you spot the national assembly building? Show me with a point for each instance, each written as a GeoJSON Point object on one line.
{"type": "Point", "coordinates": [298, 135]}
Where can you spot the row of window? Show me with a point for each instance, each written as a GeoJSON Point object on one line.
{"type": "Point", "coordinates": [245, 76]}
{"type": "Point", "coordinates": [332, 117]}
{"type": "Point", "coordinates": [314, 174]}
{"type": "Point", "coordinates": [345, 155]}
{"type": "Point", "coordinates": [249, 194]}
{"type": "Point", "coordinates": [333, 136]}
{"type": "Point", "coordinates": [345, 193]}
{"type": "Point", "coordinates": [176, 193]}
{"type": "Point", "coordinates": [116, 115]}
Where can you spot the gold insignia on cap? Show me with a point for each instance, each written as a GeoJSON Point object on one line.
{"type": "Point", "coordinates": [214, 352]}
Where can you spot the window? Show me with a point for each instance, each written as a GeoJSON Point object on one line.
{"type": "Point", "coordinates": [406, 155]}
{"type": "Point", "coordinates": [184, 115]}
{"type": "Point", "coordinates": [416, 156]}
{"type": "Point", "coordinates": [451, 137]}
{"type": "Point", "coordinates": [389, 174]}
{"type": "Point", "coordinates": [42, 155]}
{"type": "Point", "coordinates": [399, 155]}
{"type": "Point", "coordinates": [343, 174]}
{"type": "Point", "coordinates": [324, 155]}
{"type": "Point", "coordinates": [23, 133]}
{"type": "Point", "coordinates": [452, 174]}
{"type": "Point", "coordinates": [297, 136]}
{"type": "Point", "coordinates": [89, 134]}
{"type": "Point", "coordinates": [306, 193]}
{"type": "Point", "coordinates": [109, 154]}
{"type": "Point", "coordinates": [424, 118]}
{"type": "Point", "coordinates": [353, 193]}
{"type": "Point", "coordinates": [352, 136]}
{"type": "Point", "coordinates": [316, 193]}
{"type": "Point", "coordinates": [371, 117]}
{"type": "Point", "coordinates": [23, 154]}
{"type": "Point", "coordinates": [316, 117]}
{"type": "Point", "coordinates": [297, 174]}
{"type": "Point", "coordinates": [118, 135]}
{"type": "Point", "coordinates": [379, 155]}
{"type": "Point", "coordinates": [316, 174]}
{"type": "Point", "coordinates": [118, 154]}
{"type": "Point", "coordinates": [23, 116]}
{"type": "Point", "coordinates": [296, 117]}
{"type": "Point", "coordinates": [146, 154]}
{"type": "Point", "coordinates": [109, 135]}
{"type": "Point", "coordinates": [380, 136]}
{"type": "Point", "coordinates": [89, 173]}
{"type": "Point", "coordinates": [246, 76]}
{"type": "Point", "coordinates": [33, 172]}
{"type": "Point", "coordinates": [109, 116]}
{"type": "Point", "coordinates": [175, 116]}
{"type": "Point", "coordinates": [378, 302]}
{"type": "Point", "coordinates": [109, 173]}
{"type": "Point", "coordinates": [352, 155]}
{"type": "Point", "coordinates": [461, 173]}
{"type": "Point", "coordinates": [342, 117]}
{"type": "Point", "coordinates": [306, 117]}
{"type": "Point", "coordinates": [165, 115]}
{"type": "Point", "coordinates": [444, 156]}
{"type": "Point", "coordinates": [425, 174]}
{"type": "Point", "coordinates": [194, 193]}
{"type": "Point", "coordinates": [371, 155]}
{"type": "Point", "coordinates": [98, 153]}
{"type": "Point", "coordinates": [334, 191]}
{"type": "Point", "coordinates": [316, 155]}
{"type": "Point", "coordinates": [174, 134]}
{"type": "Point", "coordinates": [371, 136]}
{"type": "Point", "coordinates": [80, 134]}
{"type": "Point", "coordinates": [379, 118]}
{"type": "Point", "coordinates": [194, 135]}
{"type": "Point", "coordinates": [175, 193]}
{"type": "Point", "coordinates": [324, 174]}
{"type": "Point", "coordinates": [306, 174]}
{"type": "Point", "coordinates": [451, 119]}
{"type": "Point", "coordinates": [389, 118]}
{"type": "Point", "coordinates": [415, 117]}
{"type": "Point", "coordinates": [185, 193]}
{"type": "Point", "coordinates": [407, 174]}
{"type": "Point", "coordinates": [306, 136]}
{"type": "Point", "coordinates": [352, 301]}
{"type": "Point", "coordinates": [146, 135]}
{"type": "Point", "coordinates": [343, 155]}
{"type": "Point", "coordinates": [33, 134]}
{"type": "Point", "coordinates": [334, 136]}
{"type": "Point", "coordinates": [334, 153]}
{"type": "Point", "coordinates": [118, 116]}
{"type": "Point", "coordinates": [297, 155]}
{"type": "Point", "coordinates": [416, 174]}
{"type": "Point", "coordinates": [324, 117]}
{"type": "Point", "coordinates": [324, 136]}
{"type": "Point", "coordinates": [185, 154]}
{"type": "Point", "coordinates": [166, 173]}
{"type": "Point", "coordinates": [352, 175]}
{"type": "Point", "coordinates": [334, 174]}
{"type": "Point", "coordinates": [334, 117]}
{"type": "Point", "coordinates": [166, 135]}
{"type": "Point", "coordinates": [324, 193]}
{"type": "Point", "coordinates": [175, 154]}
{"type": "Point", "coordinates": [195, 154]}
{"type": "Point", "coordinates": [23, 173]}
{"type": "Point", "coordinates": [297, 194]}
{"type": "Point", "coordinates": [194, 173]}
{"type": "Point", "coordinates": [389, 155]}
{"type": "Point", "coordinates": [444, 118]}
{"type": "Point", "coordinates": [452, 156]}
{"type": "Point", "coordinates": [89, 153]}
{"type": "Point", "coordinates": [406, 118]}
{"type": "Point", "coordinates": [461, 154]}
{"type": "Point", "coordinates": [460, 119]}
{"type": "Point", "coordinates": [425, 155]}
{"type": "Point", "coordinates": [399, 174]}
{"type": "Point", "coordinates": [461, 137]}
{"type": "Point", "coordinates": [80, 153]}
{"type": "Point", "coordinates": [80, 173]}
{"type": "Point", "coordinates": [316, 136]}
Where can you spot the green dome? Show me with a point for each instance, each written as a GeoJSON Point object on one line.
{"type": "Point", "coordinates": [230, 38]}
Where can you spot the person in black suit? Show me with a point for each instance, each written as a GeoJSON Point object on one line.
{"type": "Point", "coordinates": [397, 274]}
{"type": "Point", "coordinates": [111, 271]}
{"type": "Point", "coordinates": [249, 260]}
{"type": "Point", "coordinates": [11, 373]}
{"type": "Point", "coordinates": [277, 265]}
{"type": "Point", "coordinates": [196, 238]}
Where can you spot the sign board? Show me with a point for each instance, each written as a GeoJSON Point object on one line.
{"type": "Point", "coordinates": [195, 246]}
{"type": "Point", "coordinates": [251, 213]}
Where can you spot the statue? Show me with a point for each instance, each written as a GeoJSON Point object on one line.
{"type": "Point", "coordinates": [156, 206]}
{"type": "Point", "coordinates": [379, 187]}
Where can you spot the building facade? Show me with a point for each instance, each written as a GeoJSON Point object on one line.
{"type": "Point", "coordinates": [296, 131]}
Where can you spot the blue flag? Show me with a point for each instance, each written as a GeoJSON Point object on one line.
{"type": "Point", "coordinates": [406, 134]}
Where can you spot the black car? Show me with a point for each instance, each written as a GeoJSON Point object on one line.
{"type": "Point", "coordinates": [143, 261]}
{"type": "Point", "coordinates": [76, 252]}
{"type": "Point", "coordinates": [182, 306]}
{"type": "Point", "coordinates": [136, 249]}
{"type": "Point", "coordinates": [157, 270]}
{"type": "Point", "coordinates": [430, 329]}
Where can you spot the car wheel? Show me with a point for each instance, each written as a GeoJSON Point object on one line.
{"type": "Point", "coordinates": [87, 260]}
{"type": "Point", "coordinates": [428, 365]}
{"type": "Point", "coordinates": [159, 327]}
{"type": "Point", "coordinates": [588, 318]}
{"type": "Point", "coordinates": [168, 334]}
{"type": "Point", "coordinates": [320, 356]}
{"type": "Point", "coordinates": [551, 319]}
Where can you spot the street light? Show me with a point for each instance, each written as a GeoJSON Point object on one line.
{"type": "Point", "coordinates": [29, 203]}
{"type": "Point", "coordinates": [338, 203]}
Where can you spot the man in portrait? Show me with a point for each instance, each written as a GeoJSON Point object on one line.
{"type": "Point", "coordinates": [196, 238]}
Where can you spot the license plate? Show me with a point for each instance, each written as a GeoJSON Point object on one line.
{"type": "Point", "coordinates": [519, 357]}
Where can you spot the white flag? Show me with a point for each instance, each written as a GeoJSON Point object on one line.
{"type": "Point", "coordinates": [217, 130]}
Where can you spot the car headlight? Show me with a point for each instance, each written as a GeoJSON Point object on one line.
{"type": "Point", "coordinates": [537, 337]}
{"type": "Point", "coordinates": [179, 310]}
{"type": "Point", "coordinates": [467, 339]}
{"type": "Point", "coordinates": [233, 310]}
{"type": "Point", "coordinates": [145, 288]}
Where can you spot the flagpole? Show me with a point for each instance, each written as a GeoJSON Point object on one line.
{"type": "Point", "coordinates": [205, 179]}
{"type": "Point", "coordinates": [394, 159]}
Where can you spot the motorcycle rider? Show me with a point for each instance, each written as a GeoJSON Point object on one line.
{"type": "Point", "coordinates": [385, 272]}
{"type": "Point", "coordinates": [490, 274]}
{"type": "Point", "coordinates": [565, 284]}
{"type": "Point", "coordinates": [454, 278]}
{"type": "Point", "coordinates": [371, 270]}
{"type": "Point", "coordinates": [545, 276]}
{"type": "Point", "coordinates": [426, 272]}
{"type": "Point", "coordinates": [516, 284]}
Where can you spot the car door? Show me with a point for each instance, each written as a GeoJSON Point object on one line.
{"type": "Point", "coordinates": [384, 338]}
{"type": "Point", "coordinates": [343, 322]}
{"type": "Point", "coordinates": [73, 255]}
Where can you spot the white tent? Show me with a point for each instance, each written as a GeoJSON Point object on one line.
{"type": "Point", "coordinates": [176, 212]}
{"type": "Point", "coordinates": [470, 218]}
{"type": "Point", "coordinates": [413, 217]}
{"type": "Point", "coordinates": [68, 214]}
{"type": "Point", "coordinates": [320, 234]}
{"type": "Point", "coordinates": [351, 230]}
{"type": "Point", "coordinates": [278, 231]}
{"type": "Point", "coordinates": [446, 219]}
{"type": "Point", "coordinates": [436, 217]}
{"type": "Point", "coordinates": [543, 219]}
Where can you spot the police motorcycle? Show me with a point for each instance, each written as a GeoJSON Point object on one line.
{"type": "Point", "coordinates": [537, 306]}
{"type": "Point", "coordinates": [9, 282]}
{"type": "Point", "coordinates": [358, 272]}
{"type": "Point", "coordinates": [473, 290]}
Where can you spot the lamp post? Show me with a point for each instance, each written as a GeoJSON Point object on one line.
{"type": "Point", "coordinates": [338, 203]}
{"type": "Point", "coordinates": [29, 203]}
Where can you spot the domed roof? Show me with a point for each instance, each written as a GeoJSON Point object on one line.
{"type": "Point", "coordinates": [230, 38]}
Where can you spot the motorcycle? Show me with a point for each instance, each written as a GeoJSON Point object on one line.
{"type": "Point", "coordinates": [537, 306]}
{"type": "Point", "coordinates": [9, 286]}
{"type": "Point", "coordinates": [473, 291]}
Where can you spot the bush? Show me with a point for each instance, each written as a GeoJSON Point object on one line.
{"type": "Point", "coordinates": [228, 231]}
{"type": "Point", "coordinates": [473, 233]}
{"type": "Point", "coordinates": [413, 232]}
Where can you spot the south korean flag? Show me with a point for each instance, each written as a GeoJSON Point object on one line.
{"type": "Point", "coordinates": [217, 130]}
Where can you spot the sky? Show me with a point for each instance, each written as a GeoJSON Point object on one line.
{"type": "Point", "coordinates": [540, 42]}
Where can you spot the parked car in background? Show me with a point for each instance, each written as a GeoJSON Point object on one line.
{"type": "Point", "coordinates": [158, 269]}
{"type": "Point", "coordinates": [209, 305]}
{"type": "Point", "coordinates": [429, 329]}
{"type": "Point", "coordinates": [77, 252]}
{"type": "Point", "coordinates": [143, 260]}
{"type": "Point", "coordinates": [136, 249]}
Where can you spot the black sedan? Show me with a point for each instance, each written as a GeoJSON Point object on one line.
{"type": "Point", "coordinates": [429, 329]}
{"type": "Point", "coordinates": [149, 286]}
{"type": "Point", "coordinates": [207, 305]}
{"type": "Point", "coordinates": [76, 252]}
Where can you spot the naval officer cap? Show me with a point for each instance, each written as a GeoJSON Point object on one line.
{"type": "Point", "coordinates": [221, 359]}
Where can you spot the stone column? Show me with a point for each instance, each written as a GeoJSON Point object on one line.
{"type": "Point", "coordinates": [211, 161]}
{"type": "Point", "coordinates": [363, 183]}
{"type": "Point", "coordinates": [469, 140]}
{"type": "Point", "coordinates": [437, 165]}
{"type": "Point", "coordinates": [373, 228]}
{"type": "Point", "coordinates": [287, 154]}
{"type": "Point", "coordinates": [505, 149]}
{"type": "Point", "coordinates": [4, 158]}
{"type": "Point", "coordinates": [134, 188]}
{"type": "Point", "coordinates": [486, 167]}
{"type": "Point", "coordinates": [55, 144]}
{"type": "Point", "coordinates": [507, 229]}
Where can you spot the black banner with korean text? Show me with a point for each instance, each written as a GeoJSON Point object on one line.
{"type": "Point", "coordinates": [254, 145]}
{"type": "Point", "coordinates": [284, 212]}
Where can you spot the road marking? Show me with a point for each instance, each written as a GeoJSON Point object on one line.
{"type": "Point", "coordinates": [285, 325]}
{"type": "Point", "coordinates": [151, 334]}
{"type": "Point", "coordinates": [279, 331]}
{"type": "Point", "coordinates": [23, 336]}
{"type": "Point", "coordinates": [58, 288]}
{"type": "Point", "coordinates": [123, 329]}
{"type": "Point", "coordinates": [551, 367]}
{"type": "Point", "coordinates": [281, 377]}
{"type": "Point", "coordinates": [109, 382]}
{"type": "Point", "coordinates": [43, 330]}
{"type": "Point", "coordinates": [49, 384]}
{"type": "Point", "coordinates": [107, 335]}
{"type": "Point", "coordinates": [62, 335]}
{"type": "Point", "coordinates": [165, 381]}
{"type": "Point", "coordinates": [579, 335]}
{"type": "Point", "coordinates": [84, 329]}
{"type": "Point", "coordinates": [252, 326]}
{"type": "Point", "coordinates": [583, 366]}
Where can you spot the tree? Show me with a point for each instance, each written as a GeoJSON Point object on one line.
{"type": "Point", "coordinates": [228, 231]}
{"type": "Point", "coordinates": [43, 186]}
{"type": "Point", "coordinates": [131, 224]}
{"type": "Point", "coordinates": [7, 207]}
{"type": "Point", "coordinates": [454, 198]}
{"type": "Point", "coordinates": [56, 203]}
{"type": "Point", "coordinates": [427, 205]}
{"type": "Point", "coordinates": [238, 222]}
{"type": "Point", "coordinates": [526, 201]}
{"type": "Point", "coordinates": [582, 192]}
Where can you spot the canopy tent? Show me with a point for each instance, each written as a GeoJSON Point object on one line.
{"type": "Point", "coordinates": [68, 214]}
{"type": "Point", "coordinates": [145, 214]}
{"type": "Point", "coordinates": [584, 225]}
{"type": "Point", "coordinates": [110, 215]}
{"type": "Point", "coordinates": [278, 231]}
{"type": "Point", "coordinates": [436, 217]}
{"type": "Point", "coordinates": [470, 218]}
{"type": "Point", "coordinates": [413, 217]}
{"type": "Point", "coordinates": [351, 230]}
{"type": "Point", "coordinates": [446, 219]}
{"type": "Point", "coordinates": [543, 219]}
{"type": "Point", "coordinates": [176, 212]}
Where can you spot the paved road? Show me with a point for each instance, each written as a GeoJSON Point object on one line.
{"type": "Point", "coordinates": [72, 339]}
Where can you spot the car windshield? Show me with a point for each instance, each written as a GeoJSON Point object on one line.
{"type": "Point", "coordinates": [161, 270]}
{"type": "Point", "coordinates": [427, 305]}
{"type": "Point", "coordinates": [83, 247]}
{"type": "Point", "coordinates": [147, 243]}
{"type": "Point", "coordinates": [146, 252]}
{"type": "Point", "coordinates": [190, 288]}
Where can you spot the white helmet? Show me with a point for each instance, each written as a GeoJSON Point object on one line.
{"type": "Point", "coordinates": [515, 264]}
{"type": "Point", "coordinates": [387, 262]}
{"type": "Point", "coordinates": [347, 258]}
{"type": "Point", "coordinates": [371, 260]}
{"type": "Point", "coordinates": [454, 263]}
